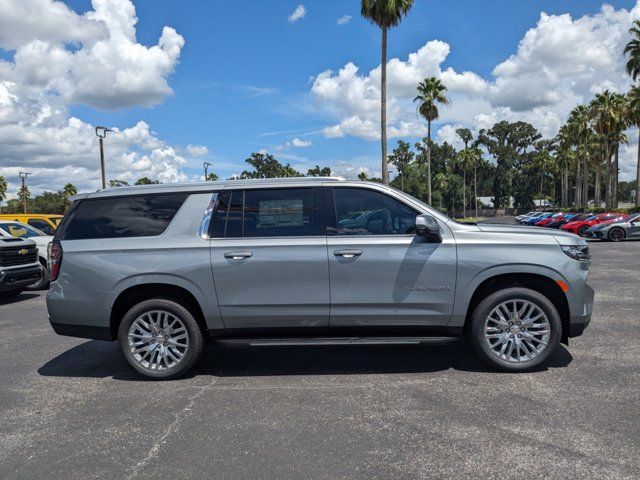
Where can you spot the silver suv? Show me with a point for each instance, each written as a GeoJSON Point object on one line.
{"type": "Point", "coordinates": [161, 268]}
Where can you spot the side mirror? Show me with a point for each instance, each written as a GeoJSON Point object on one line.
{"type": "Point", "coordinates": [427, 226]}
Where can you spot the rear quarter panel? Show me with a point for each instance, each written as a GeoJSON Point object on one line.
{"type": "Point", "coordinates": [95, 272]}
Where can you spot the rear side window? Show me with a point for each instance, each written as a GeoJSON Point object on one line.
{"type": "Point", "coordinates": [117, 217]}
{"type": "Point", "coordinates": [273, 212]}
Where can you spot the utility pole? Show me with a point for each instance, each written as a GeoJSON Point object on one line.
{"type": "Point", "coordinates": [23, 176]}
{"type": "Point", "coordinates": [206, 166]}
{"type": "Point", "coordinates": [101, 132]}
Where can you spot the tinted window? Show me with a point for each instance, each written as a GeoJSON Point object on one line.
{"type": "Point", "coordinates": [135, 216]}
{"type": "Point", "coordinates": [367, 212]}
{"type": "Point", "coordinates": [41, 225]}
{"type": "Point", "coordinates": [279, 212]}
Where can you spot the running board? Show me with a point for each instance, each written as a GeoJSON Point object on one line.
{"type": "Point", "coordinates": [280, 342]}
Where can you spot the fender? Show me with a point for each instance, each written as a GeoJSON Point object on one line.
{"type": "Point", "coordinates": [466, 289]}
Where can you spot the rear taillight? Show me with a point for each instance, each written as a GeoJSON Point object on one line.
{"type": "Point", "coordinates": [55, 259]}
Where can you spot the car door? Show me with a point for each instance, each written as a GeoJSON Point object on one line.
{"type": "Point", "coordinates": [269, 258]}
{"type": "Point", "coordinates": [633, 231]}
{"type": "Point", "coordinates": [381, 273]}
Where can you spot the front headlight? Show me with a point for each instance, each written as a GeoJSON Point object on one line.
{"type": "Point", "coordinates": [577, 252]}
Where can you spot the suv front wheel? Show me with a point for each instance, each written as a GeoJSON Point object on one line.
{"type": "Point", "coordinates": [160, 339]}
{"type": "Point", "coordinates": [515, 329]}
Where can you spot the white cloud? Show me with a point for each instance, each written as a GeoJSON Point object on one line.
{"type": "Point", "coordinates": [298, 14]}
{"type": "Point", "coordinates": [60, 59]}
{"type": "Point", "coordinates": [197, 150]}
{"type": "Point", "coordinates": [559, 63]}
{"type": "Point", "coordinates": [296, 142]}
{"type": "Point", "coordinates": [344, 19]}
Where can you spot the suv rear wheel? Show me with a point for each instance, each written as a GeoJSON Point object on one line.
{"type": "Point", "coordinates": [515, 329]}
{"type": "Point", "coordinates": [160, 339]}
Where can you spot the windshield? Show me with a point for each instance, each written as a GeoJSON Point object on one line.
{"type": "Point", "coordinates": [19, 230]}
{"type": "Point", "coordinates": [635, 218]}
{"type": "Point", "coordinates": [56, 220]}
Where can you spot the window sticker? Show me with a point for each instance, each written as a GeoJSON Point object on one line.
{"type": "Point", "coordinates": [280, 213]}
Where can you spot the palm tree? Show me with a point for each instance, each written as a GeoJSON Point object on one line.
{"type": "Point", "coordinates": [466, 136]}
{"type": "Point", "coordinates": [580, 121]}
{"type": "Point", "coordinates": [607, 110]}
{"type": "Point", "coordinates": [431, 92]}
{"type": "Point", "coordinates": [385, 14]}
{"type": "Point", "coordinates": [3, 191]}
{"type": "Point", "coordinates": [633, 51]}
{"type": "Point", "coordinates": [467, 159]}
{"type": "Point", "coordinates": [564, 157]}
{"type": "Point", "coordinates": [69, 190]}
{"type": "Point", "coordinates": [633, 115]}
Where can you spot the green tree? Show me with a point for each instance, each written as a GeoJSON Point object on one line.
{"type": "Point", "coordinates": [385, 14]}
{"type": "Point", "coordinates": [510, 144]}
{"type": "Point", "coordinates": [265, 165]}
{"type": "Point", "coordinates": [24, 194]}
{"type": "Point", "coordinates": [632, 50]}
{"type": "Point", "coordinates": [116, 182]}
{"type": "Point", "coordinates": [401, 157]}
{"type": "Point", "coordinates": [431, 92]}
{"type": "Point", "coordinates": [633, 115]}
{"type": "Point", "coordinates": [146, 181]}
{"type": "Point", "coordinates": [319, 172]}
{"type": "Point", "coordinates": [3, 191]}
{"type": "Point", "coordinates": [212, 177]}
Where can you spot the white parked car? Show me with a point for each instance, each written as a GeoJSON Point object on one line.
{"type": "Point", "coordinates": [42, 240]}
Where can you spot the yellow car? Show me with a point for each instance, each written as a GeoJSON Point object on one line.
{"type": "Point", "coordinates": [44, 222]}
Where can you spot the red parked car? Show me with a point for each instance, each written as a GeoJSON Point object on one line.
{"type": "Point", "coordinates": [553, 218]}
{"type": "Point", "coordinates": [579, 227]}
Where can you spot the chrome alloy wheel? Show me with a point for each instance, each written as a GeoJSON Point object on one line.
{"type": "Point", "coordinates": [158, 340]}
{"type": "Point", "coordinates": [516, 331]}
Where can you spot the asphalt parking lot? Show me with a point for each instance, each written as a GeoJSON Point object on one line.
{"type": "Point", "coordinates": [71, 408]}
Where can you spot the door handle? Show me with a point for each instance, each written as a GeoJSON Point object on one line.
{"type": "Point", "coordinates": [347, 253]}
{"type": "Point", "coordinates": [237, 255]}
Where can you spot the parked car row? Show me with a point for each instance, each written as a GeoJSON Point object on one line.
{"type": "Point", "coordinates": [612, 226]}
{"type": "Point", "coordinates": [23, 252]}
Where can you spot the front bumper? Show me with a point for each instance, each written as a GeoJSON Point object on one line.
{"type": "Point", "coordinates": [577, 323]}
{"type": "Point", "coordinates": [16, 278]}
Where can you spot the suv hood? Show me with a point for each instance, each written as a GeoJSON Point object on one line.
{"type": "Point", "coordinates": [561, 237]}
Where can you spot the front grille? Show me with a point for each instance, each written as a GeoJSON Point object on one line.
{"type": "Point", "coordinates": [12, 256]}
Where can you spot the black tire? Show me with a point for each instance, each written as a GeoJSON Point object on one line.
{"type": "Point", "coordinates": [476, 330]}
{"type": "Point", "coordinates": [43, 283]}
{"type": "Point", "coordinates": [616, 234]}
{"type": "Point", "coordinates": [582, 230]}
{"type": "Point", "coordinates": [195, 338]}
{"type": "Point", "coordinates": [11, 293]}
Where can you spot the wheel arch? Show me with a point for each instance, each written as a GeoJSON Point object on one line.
{"type": "Point", "coordinates": [138, 293]}
{"type": "Point", "coordinates": [535, 281]}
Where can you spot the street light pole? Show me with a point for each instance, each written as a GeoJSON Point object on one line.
{"type": "Point", "coordinates": [101, 132]}
{"type": "Point", "coordinates": [206, 166]}
{"type": "Point", "coordinates": [23, 176]}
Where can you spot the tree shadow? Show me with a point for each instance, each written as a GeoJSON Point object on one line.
{"type": "Point", "coordinates": [18, 298]}
{"type": "Point", "coordinates": [97, 359]}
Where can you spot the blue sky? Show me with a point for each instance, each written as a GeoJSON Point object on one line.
{"type": "Point", "coordinates": [246, 78]}
{"type": "Point", "coordinates": [244, 70]}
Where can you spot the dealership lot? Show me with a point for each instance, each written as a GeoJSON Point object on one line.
{"type": "Point", "coordinates": [72, 408]}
